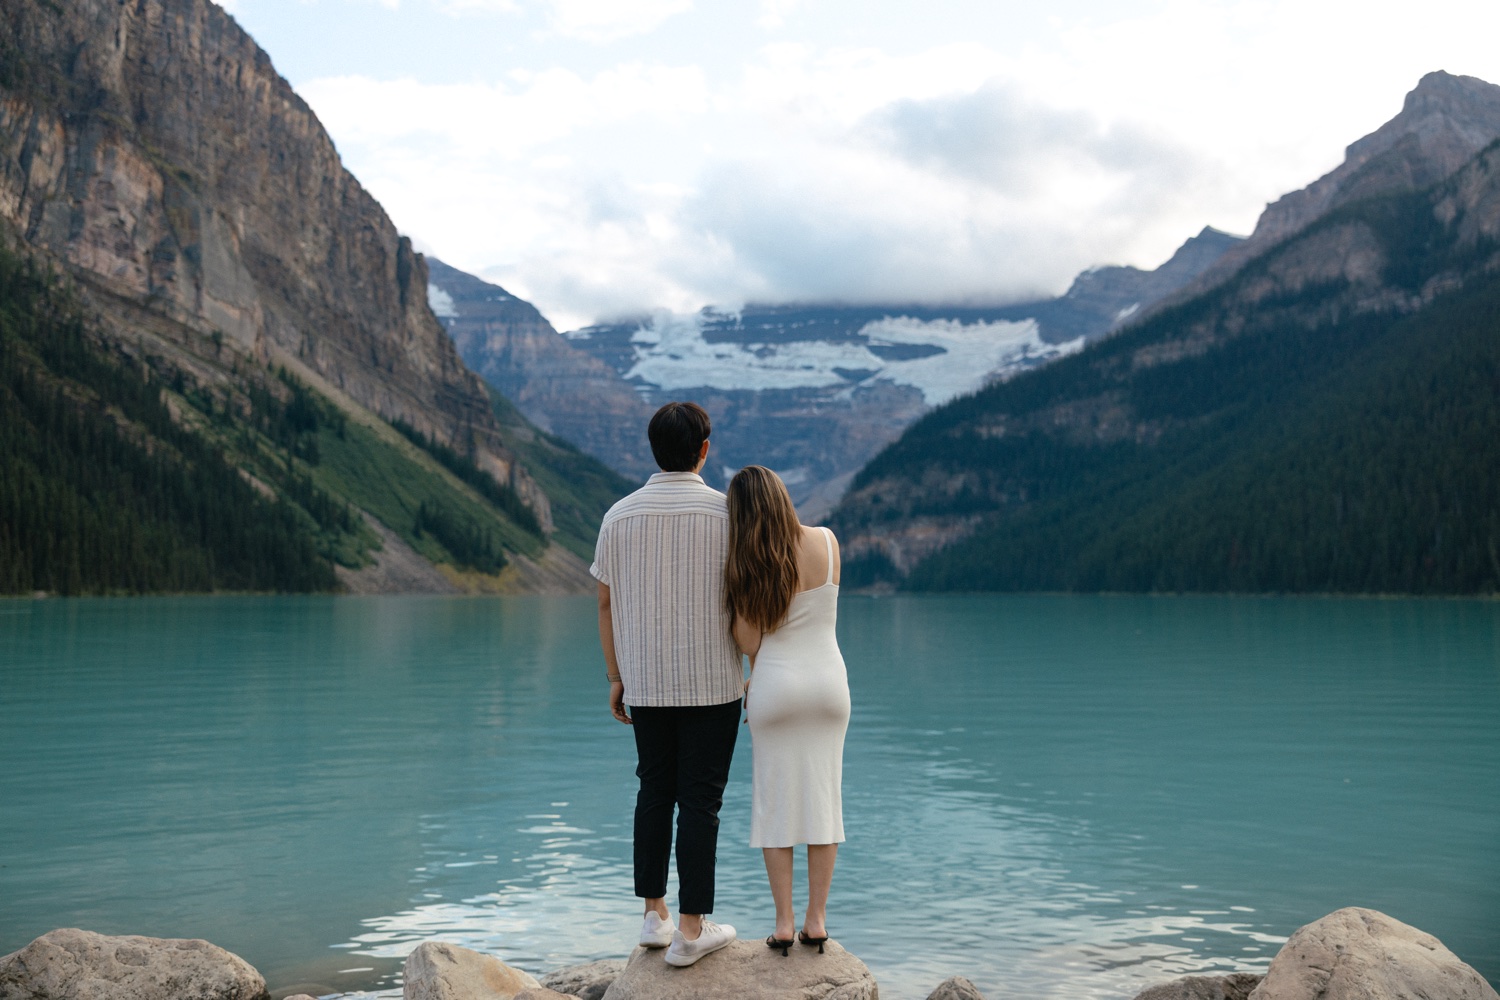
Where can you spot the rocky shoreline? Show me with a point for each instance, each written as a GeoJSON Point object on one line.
{"type": "Point", "coordinates": [1351, 954]}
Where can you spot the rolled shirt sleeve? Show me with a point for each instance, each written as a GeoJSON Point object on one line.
{"type": "Point", "coordinates": [600, 567]}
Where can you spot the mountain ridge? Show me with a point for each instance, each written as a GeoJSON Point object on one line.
{"type": "Point", "coordinates": [1062, 466]}
{"type": "Point", "coordinates": [1443, 123]}
{"type": "Point", "coordinates": [811, 390]}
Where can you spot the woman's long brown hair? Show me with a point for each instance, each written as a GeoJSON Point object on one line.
{"type": "Point", "coordinates": [760, 576]}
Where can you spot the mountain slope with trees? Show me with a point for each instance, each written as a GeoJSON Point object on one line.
{"type": "Point", "coordinates": [258, 395]}
{"type": "Point", "coordinates": [123, 475]}
{"type": "Point", "coordinates": [1328, 419]}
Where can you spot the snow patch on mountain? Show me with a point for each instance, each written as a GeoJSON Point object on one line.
{"type": "Point", "coordinates": [441, 302]}
{"type": "Point", "coordinates": [671, 353]}
{"type": "Point", "coordinates": [973, 354]}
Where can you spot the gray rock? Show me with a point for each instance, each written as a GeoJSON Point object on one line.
{"type": "Point", "coordinates": [1236, 986]}
{"type": "Point", "coordinates": [1359, 954]}
{"type": "Point", "coordinates": [588, 982]}
{"type": "Point", "coordinates": [70, 964]}
{"type": "Point", "coordinates": [437, 970]}
{"type": "Point", "coordinates": [956, 988]}
{"type": "Point", "coordinates": [541, 993]}
{"type": "Point", "coordinates": [747, 971]}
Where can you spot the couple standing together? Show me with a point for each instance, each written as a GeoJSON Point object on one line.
{"type": "Point", "coordinates": [689, 580]}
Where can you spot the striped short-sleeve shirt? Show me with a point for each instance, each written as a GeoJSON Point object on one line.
{"type": "Point", "coordinates": [661, 552]}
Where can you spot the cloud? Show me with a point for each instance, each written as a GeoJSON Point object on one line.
{"type": "Point", "coordinates": [811, 178]}
{"type": "Point", "coordinates": [773, 13]}
{"type": "Point", "coordinates": [704, 166]}
{"type": "Point", "coordinates": [995, 138]}
{"type": "Point", "coordinates": [499, 121]}
{"type": "Point", "coordinates": [609, 20]}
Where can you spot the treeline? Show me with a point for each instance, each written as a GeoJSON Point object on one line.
{"type": "Point", "coordinates": [470, 545]}
{"type": "Point", "coordinates": [101, 491]}
{"type": "Point", "coordinates": [462, 466]}
{"type": "Point", "coordinates": [579, 487]}
{"type": "Point", "coordinates": [1387, 482]}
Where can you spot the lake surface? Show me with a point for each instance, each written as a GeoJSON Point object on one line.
{"type": "Point", "coordinates": [1054, 796]}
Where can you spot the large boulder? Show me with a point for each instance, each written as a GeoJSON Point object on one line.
{"type": "Point", "coordinates": [70, 964]}
{"type": "Point", "coordinates": [1359, 954]}
{"type": "Point", "coordinates": [437, 970]}
{"type": "Point", "coordinates": [747, 971]}
{"type": "Point", "coordinates": [1236, 986]}
{"type": "Point", "coordinates": [956, 988]}
{"type": "Point", "coordinates": [587, 982]}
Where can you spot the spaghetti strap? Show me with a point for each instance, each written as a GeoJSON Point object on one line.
{"type": "Point", "coordinates": [828, 544]}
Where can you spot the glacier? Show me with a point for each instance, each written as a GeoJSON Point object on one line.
{"type": "Point", "coordinates": [671, 353]}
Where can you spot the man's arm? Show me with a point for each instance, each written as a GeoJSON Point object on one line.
{"type": "Point", "coordinates": [611, 663]}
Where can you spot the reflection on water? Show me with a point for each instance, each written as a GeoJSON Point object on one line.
{"type": "Point", "coordinates": [1052, 796]}
{"type": "Point", "coordinates": [999, 908]}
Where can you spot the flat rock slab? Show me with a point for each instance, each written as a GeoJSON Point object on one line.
{"type": "Point", "coordinates": [587, 982]}
{"type": "Point", "coordinates": [1236, 986]}
{"type": "Point", "coordinates": [1359, 954]}
{"type": "Point", "coordinates": [437, 970]}
{"type": "Point", "coordinates": [70, 964]}
{"type": "Point", "coordinates": [747, 971]}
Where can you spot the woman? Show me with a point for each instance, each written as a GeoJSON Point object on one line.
{"type": "Point", "coordinates": [781, 590]}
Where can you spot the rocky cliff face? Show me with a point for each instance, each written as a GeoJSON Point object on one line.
{"type": "Point", "coordinates": [150, 146]}
{"type": "Point", "coordinates": [560, 388]}
{"type": "Point", "coordinates": [1443, 123]}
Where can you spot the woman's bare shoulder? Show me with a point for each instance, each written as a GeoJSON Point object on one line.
{"type": "Point", "coordinates": [816, 533]}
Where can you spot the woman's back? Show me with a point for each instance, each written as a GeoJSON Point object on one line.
{"type": "Point", "coordinates": [798, 712]}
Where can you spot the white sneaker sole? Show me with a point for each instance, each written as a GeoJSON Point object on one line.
{"type": "Point", "coordinates": [664, 933]}
{"type": "Point", "coordinates": [683, 961]}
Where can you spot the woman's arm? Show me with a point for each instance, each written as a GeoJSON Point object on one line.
{"type": "Point", "coordinates": [747, 638]}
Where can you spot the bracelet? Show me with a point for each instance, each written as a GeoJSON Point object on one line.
{"type": "Point", "coordinates": [613, 680]}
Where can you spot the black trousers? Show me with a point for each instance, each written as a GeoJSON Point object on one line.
{"type": "Point", "coordinates": [684, 754]}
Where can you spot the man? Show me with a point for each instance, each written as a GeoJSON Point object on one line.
{"type": "Point", "coordinates": [669, 656]}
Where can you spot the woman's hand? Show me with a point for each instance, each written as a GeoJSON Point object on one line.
{"type": "Point", "coordinates": [617, 702]}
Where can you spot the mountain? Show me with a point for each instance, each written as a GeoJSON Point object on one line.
{"type": "Point", "coordinates": [1325, 418]}
{"type": "Point", "coordinates": [1443, 123]}
{"type": "Point", "coordinates": [1103, 299]}
{"type": "Point", "coordinates": [202, 236]}
{"type": "Point", "coordinates": [812, 391]}
{"type": "Point", "coordinates": [564, 391]}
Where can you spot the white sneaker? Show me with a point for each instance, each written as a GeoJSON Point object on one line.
{"type": "Point", "coordinates": [684, 952]}
{"type": "Point", "coordinates": [656, 932]}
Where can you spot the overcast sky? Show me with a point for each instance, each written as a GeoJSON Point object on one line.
{"type": "Point", "coordinates": [606, 157]}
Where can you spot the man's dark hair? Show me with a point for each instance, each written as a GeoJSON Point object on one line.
{"type": "Point", "coordinates": [677, 433]}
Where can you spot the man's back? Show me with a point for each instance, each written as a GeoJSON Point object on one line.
{"type": "Point", "coordinates": [661, 552]}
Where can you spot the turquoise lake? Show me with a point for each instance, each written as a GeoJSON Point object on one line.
{"type": "Point", "coordinates": [1054, 796]}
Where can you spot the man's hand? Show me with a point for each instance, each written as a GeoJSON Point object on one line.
{"type": "Point", "coordinates": [617, 702]}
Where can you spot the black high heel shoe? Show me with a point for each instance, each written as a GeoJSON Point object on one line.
{"type": "Point", "coordinates": [810, 941]}
{"type": "Point", "coordinates": [775, 942]}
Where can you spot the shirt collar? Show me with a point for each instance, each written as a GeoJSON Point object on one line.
{"type": "Point", "coordinates": [674, 477]}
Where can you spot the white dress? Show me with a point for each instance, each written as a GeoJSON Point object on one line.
{"type": "Point", "coordinates": [799, 710]}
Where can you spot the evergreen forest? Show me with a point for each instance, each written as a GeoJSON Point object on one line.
{"type": "Point", "coordinates": [101, 491]}
{"type": "Point", "coordinates": [125, 475]}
